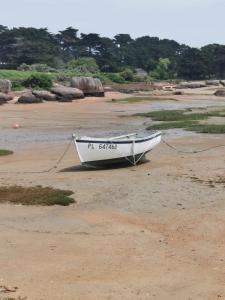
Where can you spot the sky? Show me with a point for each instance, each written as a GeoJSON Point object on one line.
{"type": "Point", "coordinates": [193, 22]}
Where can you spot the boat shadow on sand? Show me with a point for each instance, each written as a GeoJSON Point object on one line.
{"type": "Point", "coordinates": [82, 168]}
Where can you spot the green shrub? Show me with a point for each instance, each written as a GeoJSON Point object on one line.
{"type": "Point", "coordinates": [161, 71]}
{"type": "Point", "coordinates": [39, 81]}
{"type": "Point", "coordinates": [115, 77]}
{"type": "Point", "coordinates": [127, 74]}
{"type": "Point", "coordinates": [24, 67]}
{"type": "Point", "coordinates": [83, 65]}
{"type": "Point", "coordinates": [17, 86]}
{"type": "Point", "coordinates": [36, 68]}
{"type": "Point", "coordinates": [19, 77]}
{"type": "Point", "coordinates": [138, 78]}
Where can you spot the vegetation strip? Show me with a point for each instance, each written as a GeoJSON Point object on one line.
{"type": "Point", "coordinates": [5, 152]}
{"type": "Point", "coordinates": [143, 98]}
{"type": "Point", "coordinates": [38, 195]}
{"type": "Point", "coordinates": [185, 119]}
{"type": "Point", "coordinates": [118, 57]}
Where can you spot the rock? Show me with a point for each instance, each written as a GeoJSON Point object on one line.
{"type": "Point", "coordinates": [178, 93]}
{"type": "Point", "coordinates": [29, 98]}
{"type": "Point", "coordinates": [141, 72]}
{"type": "Point", "coordinates": [191, 85]}
{"type": "Point", "coordinates": [5, 289]}
{"type": "Point", "coordinates": [212, 82]}
{"type": "Point", "coordinates": [4, 97]}
{"type": "Point", "coordinates": [222, 82]}
{"type": "Point", "coordinates": [90, 86]}
{"type": "Point", "coordinates": [109, 89]}
{"type": "Point", "coordinates": [44, 95]}
{"type": "Point", "coordinates": [220, 93]}
{"type": "Point", "coordinates": [67, 94]}
{"type": "Point", "coordinates": [5, 86]}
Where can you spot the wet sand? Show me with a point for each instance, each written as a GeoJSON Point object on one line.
{"type": "Point", "coordinates": [154, 231]}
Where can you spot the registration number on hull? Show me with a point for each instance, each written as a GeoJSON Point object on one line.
{"type": "Point", "coordinates": [102, 146]}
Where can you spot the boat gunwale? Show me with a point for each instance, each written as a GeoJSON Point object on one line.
{"type": "Point", "coordinates": [139, 140]}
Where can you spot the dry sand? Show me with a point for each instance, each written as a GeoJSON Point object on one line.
{"type": "Point", "coordinates": [155, 231]}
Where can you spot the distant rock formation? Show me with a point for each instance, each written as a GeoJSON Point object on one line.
{"type": "Point", "coordinates": [213, 82]}
{"type": "Point", "coordinates": [44, 95]}
{"type": "Point", "coordinates": [222, 82]}
{"type": "Point", "coordinates": [191, 85]}
{"type": "Point", "coordinates": [67, 94]}
{"type": "Point", "coordinates": [220, 93]}
{"type": "Point", "coordinates": [141, 73]}
{"type": "Point", "coordinates": [5, 98]}
{"type": "Point", "coordinates": [90, 86]}
{"type": "Point", "coordinates": [5, 86]}
{"type": "Point", "coordinates": [29, 98]}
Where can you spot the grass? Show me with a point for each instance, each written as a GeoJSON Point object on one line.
{"type": "Point", "coordinates": [15, 75]}
{"type": "Point", "coordinates": [173, 115]}
{"type": "Point", "coordinates": [170, 125]}
{"type": "Point", "coordinates": [143, 98]}
{"type": "Point", "coordinates": [185, 119]}
{"type": "Point", "coordinates": [207, 128]}
{"type": "Point", "coordinates": [190, 126]}
{"type": "Point", "coordinates": [18, 77]}
{"type": "Point", "coordinates": [61, 76]}
{"type": "Point", "coordinates": [5, 152]}
{"type": "Point", "coordinates": [38, 195]}
{"type": "Point", "coordinates": [11, 298]}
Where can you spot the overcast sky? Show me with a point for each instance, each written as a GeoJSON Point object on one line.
{"type": "Point", "coordinates": [194, 22]}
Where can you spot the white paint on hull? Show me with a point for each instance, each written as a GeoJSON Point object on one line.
{"type": "Point", "coordinates": [104, 149]}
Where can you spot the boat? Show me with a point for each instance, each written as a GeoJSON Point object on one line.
{"type": "Point", "coordinates": [131, 148]}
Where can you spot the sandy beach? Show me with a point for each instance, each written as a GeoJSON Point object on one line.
{"type": "Point", "coordinates": [153, 231]}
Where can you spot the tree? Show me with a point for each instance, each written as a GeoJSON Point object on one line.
{"type": "Point", "coordinates": [161, 72]}
{"type": "Point", "coordinates": [39, 46]}
{"type": "Point", "coordinates": [107, 56]}
{"type": "Point", "coordinates": [191, 65]}
{"type": "Point", "coordinates": [83, 65]}
{"type": "Point", "coordinates": [28, 45]}
{"type": "Point", "coordinates": [90, 43]}
{"type": "Point", "coordinates": [125, 55]}
{"type": "Point", "coordinates": [214, 59]}
{"type": "Point", "coordinates": [69, 42]}
{"type": "Point", "coordinates": [122, 40]}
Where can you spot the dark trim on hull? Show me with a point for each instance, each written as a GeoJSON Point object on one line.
{"type": "Point", "coordinates": [121, 160]}
{"type": "Point", "coordinates": [119, 142]}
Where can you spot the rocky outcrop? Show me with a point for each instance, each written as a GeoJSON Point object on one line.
{"type": "Point", "coordinates": [220, 93]}
{"type": "Point", "coordinates": [191, 85]}
{"type": "Point", "coordinates": [67, 94]}
{"type": "Point", "coordinates": [29, 98]}
{"type": "Point", "coordinates": [141, 72]}
{"type": "Point", "coordinates": [222, 82]}
{"type": "Point", "coordinates": [178, 93]}
{"type": "Point", "coordinates": [5, 86]}
{"type": "Point", "coordinates": [44, 95]}
{"type": "Point", "coordinates": [5, 98]}
{"type": "Point", "coordinates": [90, 86]}
{"type": "Point", "coordinates": [212, 82]}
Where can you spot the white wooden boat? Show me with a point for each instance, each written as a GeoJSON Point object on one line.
{"type": "Point", "coordinates": [102, 151]}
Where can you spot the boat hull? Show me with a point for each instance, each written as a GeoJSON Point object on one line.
{"type": "Point", "coordinates": [93, 151]}
{"type": "Point", "coordinates": [137, 159]}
